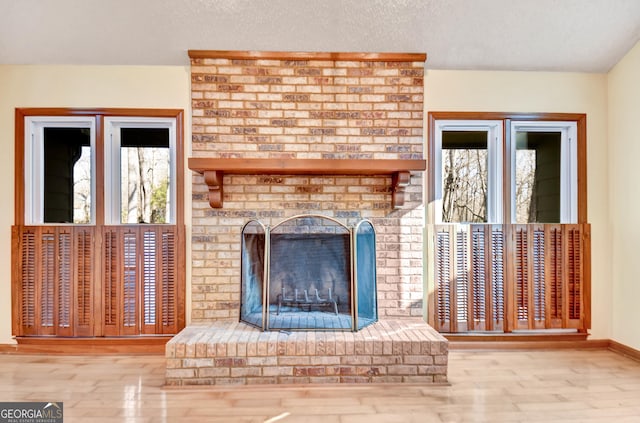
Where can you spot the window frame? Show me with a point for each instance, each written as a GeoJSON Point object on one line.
{"type": "Point", "coordinates": [98, 169]}
{"type": "Point", "coordinates": [557, 119]}
{"type": "Point", "coordinates": [34, 164]}
{"type": "Point", "coordinates": [112, 162]}
{"type": "Point", "coordinates": [495, 132]}
{"type": "Point", "coordinates": [568, 164]}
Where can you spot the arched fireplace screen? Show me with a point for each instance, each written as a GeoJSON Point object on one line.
{"type": "Point", "coordinates": [309, 272]}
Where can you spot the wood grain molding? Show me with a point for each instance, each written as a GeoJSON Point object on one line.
{"type": "Point", "coordinates": [148, 345]}
{"type": "Point", "coordinates": [624, 350]}
{"type": "Point", "coordinates": [290, 55]}
{"type": "Point", "coordinates": [214, 169]}
{"type": "Point", "coordinates": [155, 345]}
{"type": "Point", "coordinates": [516, 342]}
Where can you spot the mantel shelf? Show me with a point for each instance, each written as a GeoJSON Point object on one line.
{"type": "Point", "coordinates": [214, 169]}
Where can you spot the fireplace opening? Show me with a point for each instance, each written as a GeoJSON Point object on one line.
{"type": "Point", "coordinates": [309, 272]}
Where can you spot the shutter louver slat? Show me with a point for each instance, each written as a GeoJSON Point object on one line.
{"type": "Point", "coordinates": [462, 280]}
{"type": "Point", "coordinates": [554, 258]}
{"type": "Point", "coordinates": [497, 276]}
{"type": "Point", "coordinates": [84, 247]}
{"type": "Point", "coordinates": [522, 282]}
{"type": "Point", "coordinates": [574, 274]}
{"type": "Point", "coordinates": [479, 275]}
{"type": "Point", "coordinates": [149, 276]}
{"type": "Point", "coordinates": [47, 281]}
{"type": "Point", "coordinates": [538, 278]}
{"type": "Point", "coordinates": [129, 278]}
{"type": "Point", "coordinates": [111, 282]}
{"type": "Point", "coordinates": [64, 280]}
{"type": "Point", "coordinates": [28, 304]}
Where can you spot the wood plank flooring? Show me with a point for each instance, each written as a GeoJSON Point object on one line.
{"type": "Point", "coordinates": [485, 386]}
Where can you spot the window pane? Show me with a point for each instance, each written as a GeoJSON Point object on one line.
{"type": "Point", "coordinates": [67, 175]}
{"type": "Point", "coordinates": [145, 175]}
{"type": "Point", "coordinates": [537, 174]}
{"type": "Point", "coordinates": [464, 176]}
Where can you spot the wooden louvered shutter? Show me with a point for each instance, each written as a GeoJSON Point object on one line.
{"type": "Point", "coordinates": [169, 298]}
{"type": "Point", "coordinates": [83, 248]}
{"type": "Point", "coordinates": [46, 281]}
{"type": "Point", "coordinates": [442, 279]}
{"type": "Point", "coordinates": [530, 278]}
{"type": "Point", "coordinates": [509, 277]}
{"type": "Point", "coordinates": [64, 286]}
{"type": "Point", "coordinates": [479, 277]}
{"type": "Point", "coordinates": [538, 281]}
{"type": "Point", "coordinates": [129, 288]}
{"type": "Point", "coordinates": [573, 258]}
{"type": "Point", "coordinates": [27, 282]}
{"type": "Point", "coordinates": [111, 277]}
{"type": "Point", "coordinates": [55, 281]}
{"type": "Point", "coordinates": [159, 281]}
{"type": "Point", "coordinates": [140, 280]}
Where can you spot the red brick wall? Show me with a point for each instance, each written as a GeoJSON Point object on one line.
{"type": "Point", "coordinates": [312, 109]}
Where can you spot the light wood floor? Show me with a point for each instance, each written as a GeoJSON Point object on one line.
{"type": "Point", "coordinates": [537, 386]}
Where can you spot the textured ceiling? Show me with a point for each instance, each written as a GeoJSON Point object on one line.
{"type": "Point", "coordinates": [557, 35]}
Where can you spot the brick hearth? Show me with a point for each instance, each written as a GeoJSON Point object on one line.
{"type": "Point", "coordinates": [232, 353]}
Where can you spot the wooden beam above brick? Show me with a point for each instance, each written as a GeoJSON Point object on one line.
{"type": "Point", "coordinates": [214, 169]}
{"type": "Point", "coordinates": [294, 55]}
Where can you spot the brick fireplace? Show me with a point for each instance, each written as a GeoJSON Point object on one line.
{"type": "Point", "coordinates": [277, 135]}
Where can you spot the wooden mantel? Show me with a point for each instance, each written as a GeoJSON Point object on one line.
{"type": "Point", "coordinates": [214, 169]}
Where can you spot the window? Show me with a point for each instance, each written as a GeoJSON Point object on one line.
{"type": "Point", "coordinates": [509, 169]}
{"type": "Point", "coordinates": [466, 167]}
{"type": "Point", "coordinates": [59, 174]}
{"type": "Point", "coordinates": [142, 162]}
{"type": "Point", "coordinates": [60, 170]}
{"type": "Point", "coordinates": [544, 176]}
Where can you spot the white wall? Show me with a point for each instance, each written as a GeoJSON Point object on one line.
{"type": "Point", "coordinates": [76, 86]}
{"type": "Point", "coordinates": [624, 197]}
{"type": "Point", "coordinates": [491, 91]}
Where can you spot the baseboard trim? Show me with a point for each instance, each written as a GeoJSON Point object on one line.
{"type": "Point", "coordinates": [625, 350]}
{"type": "Point", "coordinates": [527, 345]}
{"type": "Point", "coordinates": [156, 346]}
{"type": "Point", "coordinates": [510, 338]}
{"type": "Point", "coordinates": [148, 345]}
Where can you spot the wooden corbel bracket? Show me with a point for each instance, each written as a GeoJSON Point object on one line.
{"type": "Point", "coordinates": [213, 179]}
{"type": "Point", "coordinates": [399, 181]}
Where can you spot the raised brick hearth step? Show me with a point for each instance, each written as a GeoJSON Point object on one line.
{"type": "Point", "coordinates": [233, 353]}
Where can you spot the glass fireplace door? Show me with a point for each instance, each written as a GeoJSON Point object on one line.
{"type": "Point", "coordinates": [365, 276]}
{"type": "Point", "coordinates": [253, 271]}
